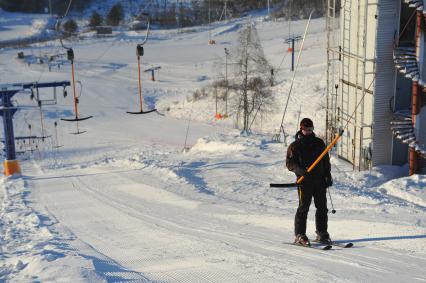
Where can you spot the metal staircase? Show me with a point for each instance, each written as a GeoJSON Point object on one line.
{"type": "Point", "coordinates": [406, 62]}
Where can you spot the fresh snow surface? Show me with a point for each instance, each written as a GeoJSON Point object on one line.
{"type": "Point", "coordinates": [125, 202]}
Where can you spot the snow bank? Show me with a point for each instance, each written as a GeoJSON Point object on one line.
{"type": "Point", "coordinates": [411, 189]}
{"type": "Point", "coordinates": [204, 145]}
{"type": "Point", "coordinates": [30, 250]}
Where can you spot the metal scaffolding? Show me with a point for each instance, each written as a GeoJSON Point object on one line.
{"type": "Point", "coordinates": [350, 76]}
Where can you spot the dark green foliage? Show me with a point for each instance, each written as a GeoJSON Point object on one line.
{"type": "Point", "coordinates": [26, 6]}
{"type": "Point", "coordinates": [300, 9]}
{"type": "Point", "coordinates": [165, 16]}
{"type": "Point", "coordinates": [115, 15]}
{"type": "Point", "coordinates": [95, 20]}
{"type": "Point", "coordinates": [169, 13]}
{"type": "Point", "coordinates": [70, 26]}
{"type": "Point", "coordinates": [37, 6]}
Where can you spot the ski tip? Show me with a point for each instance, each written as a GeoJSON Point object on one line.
{"type": "Point", "coordinates": [328, 247]}
{"type": "Point", "coordinates": [349, 245]}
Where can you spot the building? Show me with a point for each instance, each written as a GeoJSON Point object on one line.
{"type": "Point", "coordinates": [376, 82]}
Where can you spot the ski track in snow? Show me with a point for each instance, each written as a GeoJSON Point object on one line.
{"type": "Point", "coordinates": [124, 203]}
{"type": "Point", "coordinates": [185, 240]}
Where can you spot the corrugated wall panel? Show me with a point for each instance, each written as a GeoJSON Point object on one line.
{"type": "Point", "coordinates": [385, 78]}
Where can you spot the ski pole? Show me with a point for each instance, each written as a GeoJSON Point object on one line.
{"type": "Point", "coordinates": [333, 211]}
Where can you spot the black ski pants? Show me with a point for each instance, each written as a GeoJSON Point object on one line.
{"type": "Point", "coordinates": [306, 193]}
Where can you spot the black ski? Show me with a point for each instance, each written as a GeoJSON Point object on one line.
{"type": "Point", "coordinates": [343, 245]}
{"type": "Point", "coordinates": [315, 247]}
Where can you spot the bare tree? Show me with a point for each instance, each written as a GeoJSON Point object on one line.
{"type": "Point", "coordinates": [251, 77]}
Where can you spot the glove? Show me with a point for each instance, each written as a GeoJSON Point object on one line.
{"type": "Point", "coordinates": [307, 180]}
{"type": "Point", "coordinates": [300, 171]}
{"type": "Point", "coordinates": [328, 181]}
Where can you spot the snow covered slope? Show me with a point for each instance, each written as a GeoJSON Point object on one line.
{"type": "Point", "coordinates": [124, 202]}
{"type": "Point", "coordinates": [15, 27]}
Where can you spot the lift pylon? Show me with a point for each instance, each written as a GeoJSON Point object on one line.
{"type": "Point", "coordinates": [7, 110]}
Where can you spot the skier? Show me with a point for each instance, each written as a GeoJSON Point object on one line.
{"type": "Point", "coordinates": [300, 155]}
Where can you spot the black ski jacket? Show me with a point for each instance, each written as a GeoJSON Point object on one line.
{"type": "Point", "coordinates": [302, 153]}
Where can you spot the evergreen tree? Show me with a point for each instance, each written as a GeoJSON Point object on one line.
{"type": "Point", "coordinates": [70, 26]}
{"type": "Point", "coordinates": [95, 20]}
{"type": "Point", "coordinates": [115, 15]}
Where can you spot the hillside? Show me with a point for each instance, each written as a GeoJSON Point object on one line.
{"type": "Point", "coordinates": [125, 202]}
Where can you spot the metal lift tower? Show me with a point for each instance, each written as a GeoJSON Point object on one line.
{"type": "Point", "coordinates": [7, 110]}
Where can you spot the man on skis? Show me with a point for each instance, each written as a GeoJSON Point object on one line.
{"type": "Point", "coordinates": [300, 155]}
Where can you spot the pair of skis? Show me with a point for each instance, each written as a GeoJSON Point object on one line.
{"type": "Point", "coordinates": [324, 246]}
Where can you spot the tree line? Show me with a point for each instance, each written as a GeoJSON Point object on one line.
{"type": "Point", "coordinates": [38, 6]}
{"type": "Point", "coordinates": [179, 13]}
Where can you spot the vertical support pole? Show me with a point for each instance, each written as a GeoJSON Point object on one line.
{"type": "Point", "coordinates": [292, 54]}
{"type": "Point", "coordinates": [11, 165]}
{"type": "Point", "coordinates": [226, 10]}
{"type": "Point", "coordinates": [139, 82]}
{"type": "Point", "coordinates": [56, 134]}
{"type": "Point", "coordinates": [139, 54]}
{"type": "Point", "coordinates": [215, 94]}
{"type": "Point", "coordinates": [269, 11]}
{"type": "Point", "coordinates": [415, 103]}
{"type": "Point", "coordinates": [210, 32]}
{"type": "Point", "coordinates": [152, 75]}
{"type": "Point", "coordinates": [226, 81]}
{"type": "Point", "coordinates": [413, 161]}
{"type": "Point", "coordinates": [413, 157]}
{"type": "Point", "coordinates": [8, 127]}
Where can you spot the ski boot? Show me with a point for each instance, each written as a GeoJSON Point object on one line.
{"type": "Point", "coordinates": [323, 238]}
{"type": "Point", "coordinates": [302, 240]}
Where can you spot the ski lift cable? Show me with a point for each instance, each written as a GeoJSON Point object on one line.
{"type": "Point", "coordinates": [189, 123]}
{"type": "Point", "coordinates": [70, 57]}
{"type": "Point", "coordinates": [282, 61]}
{"type": "Point", "coordinates": [405, 27]}
{"type": "Point", "coordinates": [296, 69]}
{"type": "Point", "coordinates": [68, 8]}
{"type": "Point", "coordinates": [339, 134]}
{"type": "Point", "coordinates": [56, 27]}
{"type": "Point", "coordinates": [330, 146]}
{"type": "Point", "coordinates": [114, 41]}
